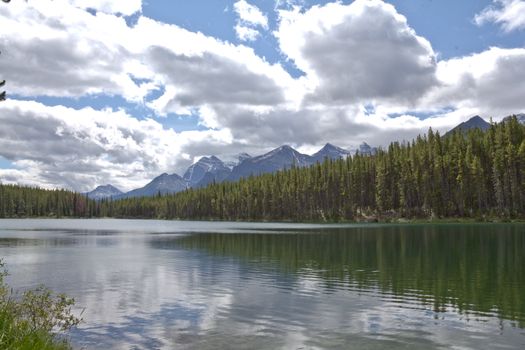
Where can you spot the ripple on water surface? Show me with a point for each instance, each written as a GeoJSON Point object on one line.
{"type": "Point", "coordinates": [148, 285]}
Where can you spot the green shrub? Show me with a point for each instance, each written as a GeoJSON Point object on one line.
{"type": "Point", "coordinates": [37, 319]}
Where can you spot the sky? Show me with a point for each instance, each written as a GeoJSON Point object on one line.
{"type": "Point", "coordinates": [118, 92]}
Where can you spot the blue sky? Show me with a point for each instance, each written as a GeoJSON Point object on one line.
{"type": "Point", "coordinates": [448, 24]}
{"type": "Point", "coordinates": [106, 91]}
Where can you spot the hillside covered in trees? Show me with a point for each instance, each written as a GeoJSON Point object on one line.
{"type": "Point", "coordinates": [477, 174]}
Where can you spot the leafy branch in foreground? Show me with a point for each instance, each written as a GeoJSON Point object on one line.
{"type": "Point", "coordinates": [37, 320]}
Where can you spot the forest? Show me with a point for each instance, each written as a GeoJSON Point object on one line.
{"type": "Point", "coordinates": [475, 174]}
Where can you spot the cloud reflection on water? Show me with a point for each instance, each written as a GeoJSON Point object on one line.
{"type": "Point", "coordinates": [274, 290]}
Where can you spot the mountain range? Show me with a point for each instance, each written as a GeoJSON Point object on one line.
{"type": "Point", "coordinates": [212, 169]}
{"type": "Point", "coordinates": [163, 184]}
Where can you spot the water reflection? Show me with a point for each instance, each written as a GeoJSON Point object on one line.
{"type": "Point", "coordinates": [476, 269]}
{"type": "Point", "coordinates": [152, 285]}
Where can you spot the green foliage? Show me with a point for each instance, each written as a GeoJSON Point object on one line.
{"type": "Point", "coordinates": [36, 320]}
{"type": "Point", "coordinates": [19, 202]}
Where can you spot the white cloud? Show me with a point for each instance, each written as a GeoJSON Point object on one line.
{"type": "Point", "coordinates": [250, 20]}
{"type": "Point", "coordinates": [491, 81]}
{"type": "Point", "coordinates": [246, 33]}
{"type": "Point", "coordinates": [211, 78]}
{"type": "Point", "coordinates": [509, 14]}
{"type": "Point", "coordinates": [250, 14]}
{"type": "Point", "coordinates": [360, 52]}
{"type": "Point", "coordinates": [198, 70]}
{"type": "Point", "coordinates": [102, 55]}
{"type": "Point", "coordinates": [55, 49]}
{"type": "Point", "coordinates": [65, 147]}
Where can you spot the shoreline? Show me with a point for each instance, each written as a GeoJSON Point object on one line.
{"type": "Point", "coordinates": [400, 221]}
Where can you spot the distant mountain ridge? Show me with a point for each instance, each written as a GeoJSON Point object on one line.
{"type": "Point", "coordinates": [206, 171]}
{"type": "Point", "coordinates": [211, 169]}
{"type": "Point", "coordinates": [475, 122]}
{"type": "Point", "coordinates": [278, 159]}
{"type": "Point", "coordinates": [480, 123]}
{"type": "Point", "coordinates": [103, 192]}
{"type": "Point", "coordinates": [162, 184]}
{"type": "Point", "coordinates": [366, 150]}
{"type": "Point", "coordinates": [520, 117]}
{"type": "Point", "coordinates": [329, 151]}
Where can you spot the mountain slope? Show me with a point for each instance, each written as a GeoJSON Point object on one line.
{"type": "Point", "coordinates": [162, 184]}
{"type": "Point", "coordinates": [205, 171]}
{"type": "Point", "coordinates": [103, 192]}
{"type": "Point", "coordinates": [238, 160]}
{"type": "Point", "coordinates": [278, 159]}
{"type": "Point", "coordinates": [329, 151]}
{"type": "Point", "coordinates": [472, 123]}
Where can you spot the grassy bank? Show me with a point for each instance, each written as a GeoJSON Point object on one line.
{"type": "Point", "coordinates": [36, 319]}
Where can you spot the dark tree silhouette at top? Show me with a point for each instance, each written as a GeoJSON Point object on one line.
{"type": "Point", "coordinates": [2, 83]}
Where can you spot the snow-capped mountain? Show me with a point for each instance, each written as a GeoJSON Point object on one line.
{"type": "Point", "coordinates": [241, 157]}
{"type": "Point", "coordinates": [329, 151]}
{"type": "Point", "coordinates": [278, 159]}
{"type": "Point", "coordinates": [103, 192]}
{"type": "Point", "coordinates": [205, 171]}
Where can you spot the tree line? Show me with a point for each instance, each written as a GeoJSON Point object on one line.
{"type": "Point", "coordinates": [475, 174]}
{"type": "Point", "coordinates": [20, 202]}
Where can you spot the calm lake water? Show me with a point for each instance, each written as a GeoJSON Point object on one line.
{"type": "Point", "coordinates": [202, 285]}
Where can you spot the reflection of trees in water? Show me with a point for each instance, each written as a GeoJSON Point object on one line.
{"type": "Point", "coordinates": [474, 268]}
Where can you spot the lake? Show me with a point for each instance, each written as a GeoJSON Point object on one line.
{"type": "Point", "coordinates": [212, 285]}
